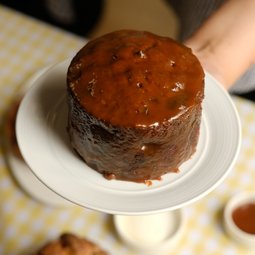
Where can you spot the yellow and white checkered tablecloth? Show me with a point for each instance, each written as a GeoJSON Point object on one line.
{"type": "Point", "coordinates": [27, 45]}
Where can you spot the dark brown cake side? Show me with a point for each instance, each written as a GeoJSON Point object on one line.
{"type": "Point", "coordinates": [134, 103]}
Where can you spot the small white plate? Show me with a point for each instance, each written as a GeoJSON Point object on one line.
{"type": "Point", "coordinates": [44, 144]}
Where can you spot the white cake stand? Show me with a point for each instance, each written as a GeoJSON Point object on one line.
{"type": "Point", "coordinates": [21, 171]}
{"type": "Point", "coordinates": [43, 140]}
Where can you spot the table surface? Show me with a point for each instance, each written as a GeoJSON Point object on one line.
{"type": "Point", "coordinates": [27, 45]}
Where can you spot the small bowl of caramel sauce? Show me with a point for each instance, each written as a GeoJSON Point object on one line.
{"type": "Point", "coordinates": [239, 218]}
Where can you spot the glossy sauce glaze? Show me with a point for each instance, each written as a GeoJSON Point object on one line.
{"type": "Point", "coordinates": [244, 217]}
{"type": "Point", "coordinates": [134, 103]}
{"type": "Point", "coordinates": [142, 81]}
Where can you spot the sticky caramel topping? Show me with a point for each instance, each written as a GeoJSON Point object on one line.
{"type": "Point", "coordinates": [130, 78]}
{"type": "Point", "coordinates": [244, 217]}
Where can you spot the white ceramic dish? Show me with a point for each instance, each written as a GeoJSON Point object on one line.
{"type": "Point", "coordinates": [32, 185]}
{"type": "Point", "coordinates": [232, 229]}
{"type": "Point", "coordinates": [151, 234]}
{"type": "Point", "coordinates": [43, 140]}
{"type": "Point", "coordinates": [20, 170]}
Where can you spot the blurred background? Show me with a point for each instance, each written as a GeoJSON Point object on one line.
{"type": "Point", "coordinates": [157, 17]}
{"type": "Point", "coordinates": [93, 18]}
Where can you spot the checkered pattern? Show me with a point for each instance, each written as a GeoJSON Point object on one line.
{"type": "Point", "coordinates": [27, 45]}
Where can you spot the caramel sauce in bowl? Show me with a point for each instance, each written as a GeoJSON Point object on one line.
{"type": "Point", "coordinates": [239, 218]}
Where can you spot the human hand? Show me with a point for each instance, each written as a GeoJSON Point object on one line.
{"type": "Point", "coordinates": [225, 43]}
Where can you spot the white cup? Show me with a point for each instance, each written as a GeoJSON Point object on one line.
{"type": "Point", "coordinates": [151, 234]}
{"type": "Point", "coordinates": [231, 227]}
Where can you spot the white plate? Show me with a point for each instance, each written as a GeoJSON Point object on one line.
{"type": "Point", "coordinates": [43, 140]}
{"type": "Point", "coordinates": [20, 170]}
{"type": "Point", "coordinates": [32, 185]}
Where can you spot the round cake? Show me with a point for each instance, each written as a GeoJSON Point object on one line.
{"type": "Point", "coordinates": [134, 102]}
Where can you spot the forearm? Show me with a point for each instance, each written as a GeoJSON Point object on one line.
{"type": "Point", "coordinates": [225, 43]}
